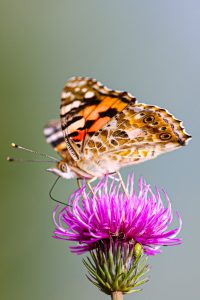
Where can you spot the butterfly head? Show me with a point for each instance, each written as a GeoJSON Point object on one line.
{"type": "Point", "coordinates": [62, 169]}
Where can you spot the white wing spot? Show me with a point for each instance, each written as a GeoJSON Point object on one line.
{"type": "Point", "coordinates": [81, 83]}
{"type": "Point", "coordinates": [72, 84]}
{"type": "Point", "coordinates": [89, 95]}
{"type": "Point", "coordinates": [67, 108]}
{"type": "Point", "coordinates": [65, 95]}
{"type": "Point", "coordinates": [76, 103]}
{"type": "Point", "coordinates": [48, 131]}
{"type": "Point", "coordinates": [55, 137]}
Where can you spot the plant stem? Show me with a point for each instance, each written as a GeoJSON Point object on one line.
{"type": "Point", "coordinates": [117, 296]}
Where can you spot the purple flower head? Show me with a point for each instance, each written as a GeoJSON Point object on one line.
{"type": "Point", "coordinates": [108, 214]}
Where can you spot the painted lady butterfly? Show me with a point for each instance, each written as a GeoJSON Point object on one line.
{"type": "Point", "coordinates": [103, 130]}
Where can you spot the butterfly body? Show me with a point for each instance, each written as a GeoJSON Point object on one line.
{"type": "Point", "coordinates": [103, 130]}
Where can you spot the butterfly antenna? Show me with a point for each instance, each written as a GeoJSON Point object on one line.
{"type": "Point", "coordinates": [13, 145]}
{"type": "Point", "coordinates": [21, 160]}
{"type": "Point", "coordinates": [50, 193]}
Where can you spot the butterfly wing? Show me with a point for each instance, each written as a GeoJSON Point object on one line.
{"type": "Point", "coordinates": [86, 106]}
{"type": "Point", "coordinates": [140, 132]}
{"type": "Point", "coordinates": [54, 136]}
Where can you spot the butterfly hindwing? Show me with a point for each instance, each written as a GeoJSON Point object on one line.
{"type": "Point", "coordinates": [140, 132]}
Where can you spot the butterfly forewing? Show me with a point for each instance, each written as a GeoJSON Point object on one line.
{"type": "Point", "coordinates": [86, 107]}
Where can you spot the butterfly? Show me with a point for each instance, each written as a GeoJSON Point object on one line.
{"type": "Point", "coordinates": [101, 130]}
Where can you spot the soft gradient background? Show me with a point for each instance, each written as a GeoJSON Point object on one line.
{"type": "Point", "coordinates": [150, 48]}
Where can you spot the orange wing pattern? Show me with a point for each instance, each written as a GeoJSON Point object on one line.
{"type": "Point", "coordinates": [87, 106]}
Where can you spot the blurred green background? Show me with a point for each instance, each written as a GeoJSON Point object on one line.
{"type": "Point", "coordinates": [150, 48]}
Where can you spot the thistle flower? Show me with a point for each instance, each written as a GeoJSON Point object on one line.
{"type": "Point", "coordinates": [140, 218]}
{"type": "Point", "coordinates": [119, 231]}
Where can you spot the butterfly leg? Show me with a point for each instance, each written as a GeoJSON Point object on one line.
{"type": "Point", "coordinates": [122, 183]}
{"type": "Point", "coordinates": [113, 177]}
{"type": "Point", "coordinates": [88, 182]}
{"type": "Point", "coordinates": [78, 182]}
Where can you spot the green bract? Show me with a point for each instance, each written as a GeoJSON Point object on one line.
{"type": "Point", "coordinates": [117, 266]}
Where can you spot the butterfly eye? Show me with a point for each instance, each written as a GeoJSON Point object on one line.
{"type": "Point", "coordinates": [165, 136]}
{"type": "Point", "coordinates": [148, 119]}
{"type": "Point", "coordinates": [63, 167]}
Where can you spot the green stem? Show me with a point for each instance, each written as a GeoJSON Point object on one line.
{"type": "Point", "coordinates": [117, 296]}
